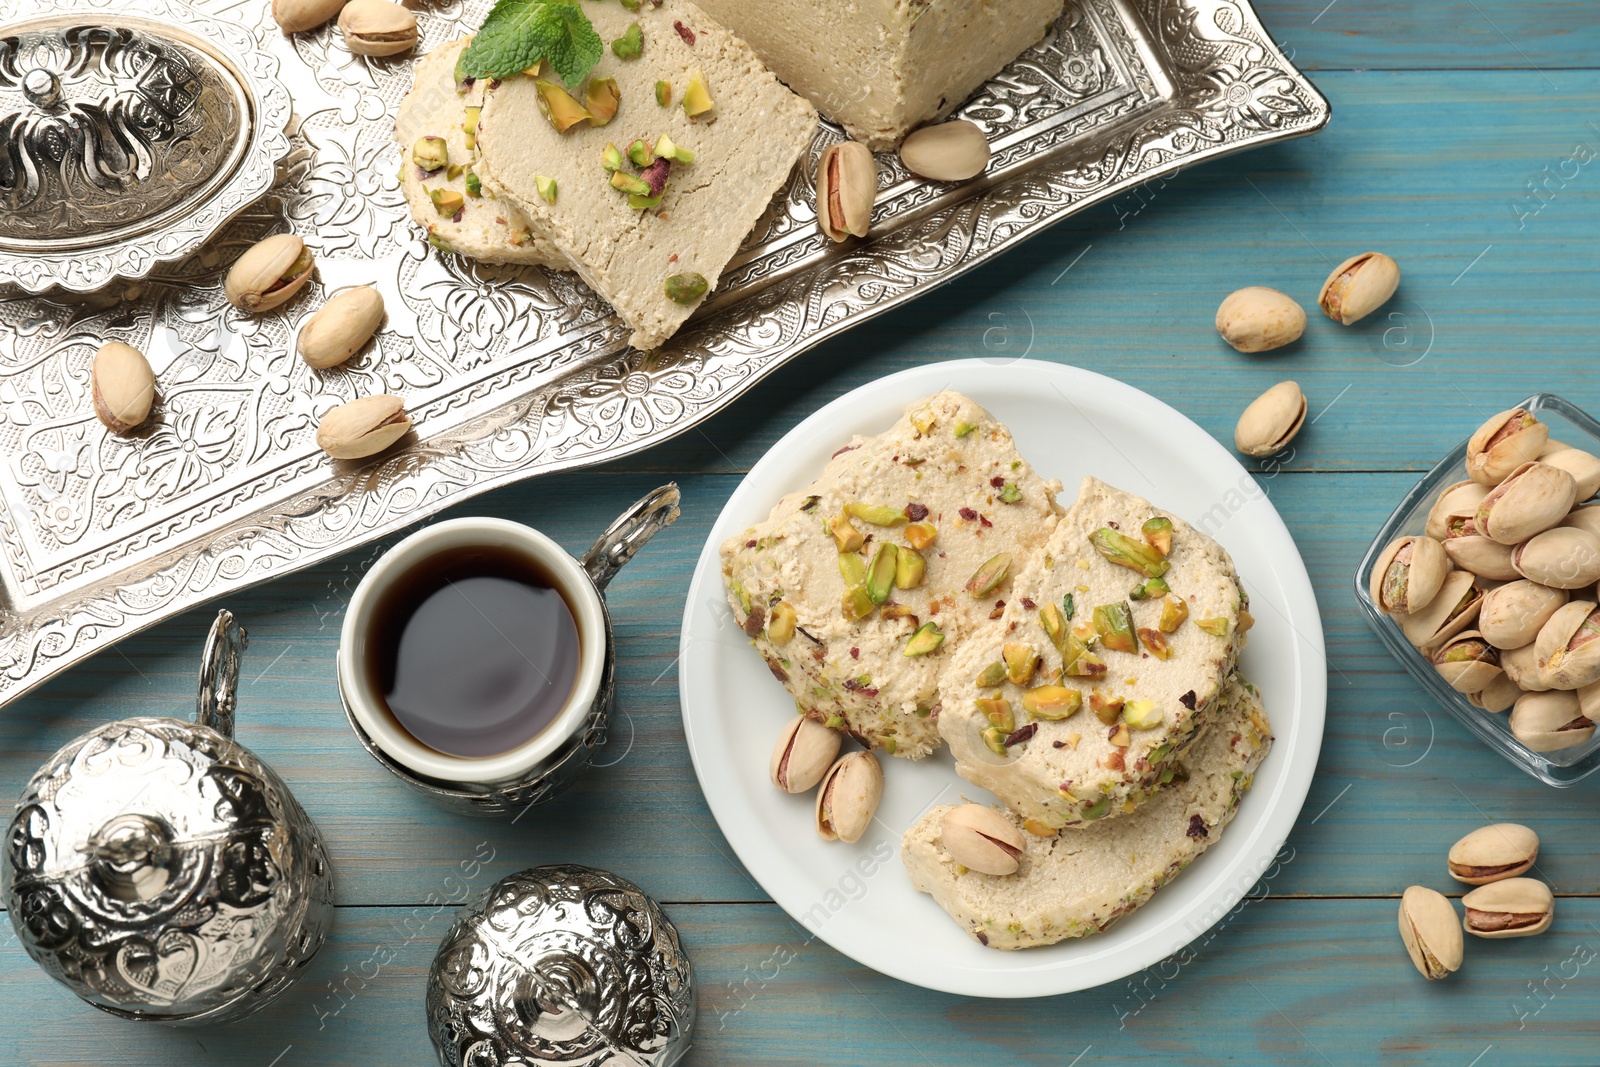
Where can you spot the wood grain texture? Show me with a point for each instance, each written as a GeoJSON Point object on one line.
{"type": "Point", "coordinates": [1431, 166]}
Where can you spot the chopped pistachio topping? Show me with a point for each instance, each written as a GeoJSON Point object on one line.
{"type": "Point", "coordinates": [909, 569]}
{"type": "Point", "coordinates": [602, 99]}
{"type": "Point", "coordinates": [852, 568]}
{"type": "Point", "coordinates": [474, 185]}
{"type": "Point", "coordinates": [664, 93]}
{"type": "Point", "coordinates": [927, 638]}
{"type": "Point", "coordinates": [856, 603]}
{"type": "Point", "coordinates": [1105, 708]}
{"type": "Point", "coordinates": [1021, 661]}
{"type": "Point", "coordinates": [1009, 493]}
{"type": "Point", "coordinates": [430, 153]}
{"type": "Point", "coordinates": [876, 514]}
{"type": "Point", "coordinates": [1141, 714]}
{"type": "Point", "coordinates": [1114, 624]}
{"type": "Point", "coordinates": [641, 155]}
{"type": "Point", "coordinates": [1124, 551]}
{"type": "Point", "coordinates": [965, 428]}
{"type": "Point", "coordinates": [781, 623]}
{"type": "Point", "coordinates": [686, 288]}
{"type": "Point", "coordinates": [1173, 611]}
{"type": "Point", "coordinates": [845, 534]}
{"type": "Point", "coordinates": [667, 148]}
{"type": "Point", "coordinates": [1158, 534]}
{"type": "Point", "coordinates": [1149, 589]}
{"type": "Point", "coordinates": [987, 577]}
{"type": "Point", "coordinates": [547, 188]}
{"type": "Point", "coordinates": [470, 127]}
{"type": "Point", "coordinates": [559, 107]}
{"type": "Point", "coordinates": [1215, 627]}
{"type": "Point", "coordinates": [921, 535]}
{"type": "Point", "coordinates": [880, 574]}
{"type": "Point", "coordinates": [992, 675]}
{"type": "Point", "coordinates": [630, 44]}
{"type": "Point", "coordinates": [627, 183]}
{"type": "Point", "coordinates": [1155, 642]}
{"type": "Point", "coordinates": [697, 97]}
{"type": "Point", "coordinates": [995, 738]}
{"type": "Point", "coordinates": [998, 711]}
{"type": "Point", "coordinates": [1052, 702]}
{"type": "Point", "coordinates": [446, 201]}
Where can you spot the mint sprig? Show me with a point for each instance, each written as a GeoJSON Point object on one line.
{"type": "Point", "coordinates": [516, 34]}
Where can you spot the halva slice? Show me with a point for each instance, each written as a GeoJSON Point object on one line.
{"type": "Point", "coordinates": [1135, 618]}
{"type": "Point", "coordinates": [881, 68]}
{"type": "Point", "coordinates": [1076, 883]}
{"type": "Point", "coordinates": [860, 588]}
{"type": "Point", "coordinates": [448, 201]}
{"type": "Point", "coordinates": [587, 188]}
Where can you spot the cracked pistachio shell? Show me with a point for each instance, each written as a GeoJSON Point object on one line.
{"type": "Point", "coordinates": [1259, 319]}
{"type": "Point", "coordinates": [981, 839]}
{"type": "Point", "coordinates": [948, 152]}
{"type": "Point", "coordinates": [1271, 421]}
{"type": "Point", "coordinates": [363, 427]}
{"type": "Point", "coordinates": [1431, 934]}
{"type": "Point", "coordinates": [1533, 498]}
{"type": "Point", "coordinates": [1459, 501]}
{"type": "Point", "coordinates": [847, 186]}
{"type": "Point", "coordinates": [1453, 609]}
{"type": "Point", "coordinates": [269, 273]}
{"type": "Point", "coordinates": [803, 754]}
{"type": "Point", "coordinates": [1522, 667]}
{"type": "Point", "coordinates": [1550, 721]}
{"type": "Point", "coordinates": [1504, 443]}
{"type": "Point", "coordinates": [1512, 614]}
{"type": "Point", "coordinates": [377, 27]}
{"type": "Point", "coordinates": [1467, 662]}
{"type": "Point", "coordinates": [848, 797]}
{"type": "Point", "coordinates": [1498, 696]}
{"type": "Point", "coordinates": [1516, 907]}
{"type": "Point", "coordinates": [1408, 574]}
{"type": "Point", "coordinates": [123, 385]}
{"type": "Point", "coordinates": [1589, 701]}
{"type": "Point", "coordinates": [341, 327]}
{"type": "Point", "coordinates": [1491, 853]}
{"type": "Point", "coordinates": [1584, 517]}
{"type": "Point", "coordinates": [1583, 466]}
{"type": "Point", "coordinates": [1481, 556]}
{"type": "Point", "coordinates": [1562, 558]}
{"type": "Point", "coordinates": [1358, 287]}
{"type": "Point", "coordinates": [296, 16]}
{"type": "Point", "coordinates": [1568, 646]}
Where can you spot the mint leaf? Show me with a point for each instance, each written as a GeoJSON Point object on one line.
{"type": "Point", "coordinates": [568, 40]}
{"type": "Point", "coordinates": [516, 34]}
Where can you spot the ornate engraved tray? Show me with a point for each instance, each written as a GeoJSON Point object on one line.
{"type": "Point", "coordinates": [512, 372]}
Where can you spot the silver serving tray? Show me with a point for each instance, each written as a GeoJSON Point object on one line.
{"type": "Point", "coordinates": [514, 372]}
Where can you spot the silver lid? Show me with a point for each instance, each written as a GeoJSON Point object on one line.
{"type": "Point", "coordinates": [127, 140]}
{"type": "Point", "coordinates": [561, 965]}
{"type": "Point", "coordinates": [161, 871]}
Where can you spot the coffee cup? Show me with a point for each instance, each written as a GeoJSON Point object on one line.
{"type": "Point", "coordinates": [571, 724]}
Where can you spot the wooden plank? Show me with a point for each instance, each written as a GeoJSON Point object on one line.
{"type": "Point", "coordinates": [1322, 982]}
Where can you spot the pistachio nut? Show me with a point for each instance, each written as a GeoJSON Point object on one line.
{"type": "Point", "coordinates": [296, 16]}
{"type": "Point", "coordinates": [1516, 907]}
{"type": "Point", "coordinates": [1258, 319]}
{"type": "Point", "coordinates": [948, 152]}
{"type": "Point", "coordinates": [123, 386]}
{"type": "Point", "coordinates": [1430, 932]}
{"type": "Point", "coordinates": [1454, 608]}
{"type": "Point", "coordinates": [1584, 517]}
{"type": "Point", "coordinates": [981, 839]}
{"type": "Point", "coordinates": [1533, 498]}
{"type": "Point", "coordinates": [269, 273]}
{"type": "Point", "coordinates": [1512, 614]}
{"type": "Point", "coordinates": [1271, 421]}
{"type": "Point", "coordinates": [1467, 662]}
{"type": "Point", "coordinates": [848, 797]}
{"type": "Point", "coordinates": [363, 427]}
{"type": "Point", "coordinates": [377, 27]}
{"type": "Point", "coordinates": [1358, 287]}
{"type": "Point", "coordinates": [1550, 721]}
{"type": "Point", "coordinates": [1583, 466]}
{"type": "Point", "coordinates": [1481, 556]}
{"type": "Point", "coordinates": [1490, 853]}
{"type": "Point", "coordinates": [803, 754]}
{"type": "Point", "coordinates": [1498, 696]}
{"type": "Point", "coordinates": [341, 327]}
{"type": "Point", "coordinates": [1504, 443]}
{"type": "Point", "coordinates": [847, 186]}
{"type": "Point", "coordinates": [1589, 701]}
{"type": "Point", "coordinates": [1407, 574]}
{"type": "Point", "coordinates": [1459, 501]}
{"type": "Point", "coordinates": [1562, 558]}
{"type": "Point", "coordinates": [1568, 646]}
{"type": "Point", "coordinates": [1522, 667]}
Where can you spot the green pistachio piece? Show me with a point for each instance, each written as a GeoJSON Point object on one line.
{"type": "Point", "coordinates": [845, 534]}
{"type": "Point", "coordinates": [921, 535]}
{"type": "Point", "coordinates": [909, 569]}
{"type": "Point", "coordinates": [995, 738]}
{"type": "Point", "coordinates": [1173, 611]}
{"type": "Point", "coordinates": [1069, 605]}
{"type": "Point", "coordinates": [1105, 708]}
{"type": "Point", "coordinates": [547, 188]}
{"type": "Point", "coordinates": [667, 148]}
{"type": "Point", "coordinates": [1052, 702]}
{"type": "Point", "coordinates": [781, 623]}
{"type": "Point", "coordinates": [1098, 808]}
{"type": "Point", "coordinates": [1124, 551]}
{"type": "Point", "coordinates": [470, 127]}
{"type": "Point", "coordinates": [1078, 662]}
{"type": "Point", "coordinates": [1114, 624]}
{"type": "Point", "coordinates": [1214, 627]}
{"type": "Point", "coordinates": [1155, 642]}
{"type": "Point", "coordinates": [1021, 661]}
{"type": "Point", "coordinates": [1141, 714]}
{"type": "Point", "coordinates": [998, 711]}
{"type": "Point", "coordinates": [446, 201]}
{"type": "Point", "coordinates": [664, 93]}
{"type": "Point", "coordinates": [1158, 534]}
{"type": "Point", "coordinates": [627, 183]}
{"type": "Point", "coordinates": [630, 44]}
{"type": "Point", "coordinates": [631, 5]}
{"type": "Point", "coordinates": [430, 153]}
{"type": "Point", "coordinates": [880, 574]}
{"type": "Point", "coordinates": [925, 640]}
{"type": "Point", "coordinates": [611, 158]}
{"type": "Point", "coordinates": [992, 675]}
{"type": "Point", "coordinates": [686, 288]}
{"type": "Point", "coordinates": [877, 514]}
{"type": "Point", "coordinates": [991, 574]}
{"type": "Point", "coordinates": [856, 604]}
{"type": "Point", "coordinates": [474, 185]}
{"type": "Point", "coordinates": [643, 203]}
{"type": "Point", "coordinates": [453, 171]}
{"type": "Point", "coordinates": [439, 242]}
{"type": "Point", "coordinates": [853, 568]}
{"type": "Point", "coordinates": [559, 106]}
{"type": "Point", "coordinates": [1009, 493]}
{"type": "Point", "coordinates": [965, 428]}
{"type": "Point", "coordinates": [602, 99]}
{"type": "Point", "coordinates": [641, 155]}
{"type": "Point", "coordinates": [697, 97]}
{"type": "Point", "coordinates": [744, 597]}
{"type": "Point", "coordinates": [1149, 589]}
{"type": "Point", "coordinates": [1055, 626]}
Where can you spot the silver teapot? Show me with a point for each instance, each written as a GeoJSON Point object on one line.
{"type": "Point", "coordinates": [161, 871]}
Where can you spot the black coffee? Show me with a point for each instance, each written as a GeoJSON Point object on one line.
{"type": "Point", "coordinates": [474, 651]}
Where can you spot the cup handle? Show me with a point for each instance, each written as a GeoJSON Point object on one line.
{"type": "Point", "coordinates": [654, 512]}
{"type": "Point", "coordinates": [219, 673]}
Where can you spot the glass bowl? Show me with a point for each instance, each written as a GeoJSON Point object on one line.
{"type": "Point", "coordinates": [1569, 425]}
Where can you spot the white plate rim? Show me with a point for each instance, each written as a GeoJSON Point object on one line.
{"type": "Point", "coordinates": [1273, 811]}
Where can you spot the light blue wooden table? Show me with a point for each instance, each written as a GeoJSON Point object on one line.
{"type": "Point", "coordinates": [1455, 145]}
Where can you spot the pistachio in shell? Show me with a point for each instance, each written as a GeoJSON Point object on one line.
{"type": "Point", "coordinates": [1407, 574]}
{"type": "Point", "coordinates": [340, 327]}
{"type": "Point", "coordinates": [296, 16]}
{"type": "Point", "coordinates": [1259, 319]}
{"type": "Point", "coordinates": [1481, 556]}
{"type": "Point", "coordinates": [1491, 853]}
{"type": "Point", "coordinates": [1430, 932]}
{"type": "Point", "coordinates": [1583, 466]}
{"type": "Point", "coordinates": [1589, 701]}
{"type": "Point", "coordinates": [981, 839]}
{"type": "Point", "coordinates": [1467, 662]}
{"type": "Point", "coordinates": [1359, 286]}
{"type": "Point", "coordinates": [947, 152]}
{"type": "Point", "coordinates": [1568, 646]}
{"type": "Point", "coordinates": [1534, 497]}
{"type": "Point", "coordinates": [1561, 558]}
{"type": "Point", "coordinates": [1511, 615]}
{"type": "Point", "coordinates": [804, 751]}
{"type": "Point", "coordinates": [1503, 443]}
{"type": "Point", "coordinates": [269, 273]}
{"type": "Point", "coordinates": [363, 427]}
{"type": "Point", "coordinates": [1458, 501]}
{"type": "Point", "coordinates": [1550, 721]}
{"type": "Point", "coordinates": [1515, 907]}
{"type": "Point", "coordinates": [1496, 697]}
{"type": "Point", "coordinates": [848, 797]}
{"type": "Point", "coordinates": [377, 27]}
{"type": "Point", "coordinates": [1521, 665]}
{"type": "Point", "coordinates": [1271, 421]}
{"type": "Point", "coordinates": [123, 386]}
{"type": "Point", "coordinates": [847, 186]}
{"type": "Point", "coordinates": [1584, 517]}
{"type": "Point", "coordinates": [1454, 608]}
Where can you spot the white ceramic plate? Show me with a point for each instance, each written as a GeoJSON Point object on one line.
{"type": "Point", "coordinates": [1069, 423]}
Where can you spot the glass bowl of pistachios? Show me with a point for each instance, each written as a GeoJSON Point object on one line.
{"type": "Point", "coordinates": [1485, 584]}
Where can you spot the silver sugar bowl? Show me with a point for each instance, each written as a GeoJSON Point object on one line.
{"type": "Point", "coordinates": [562, 966]}
{"type": "Point", "coordinates": [161, 871]}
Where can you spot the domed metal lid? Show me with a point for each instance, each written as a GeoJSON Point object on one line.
{"type": "Point", "coordinates": [126, 140]}
{"type": "Point", "coordinates": [561, 965]}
